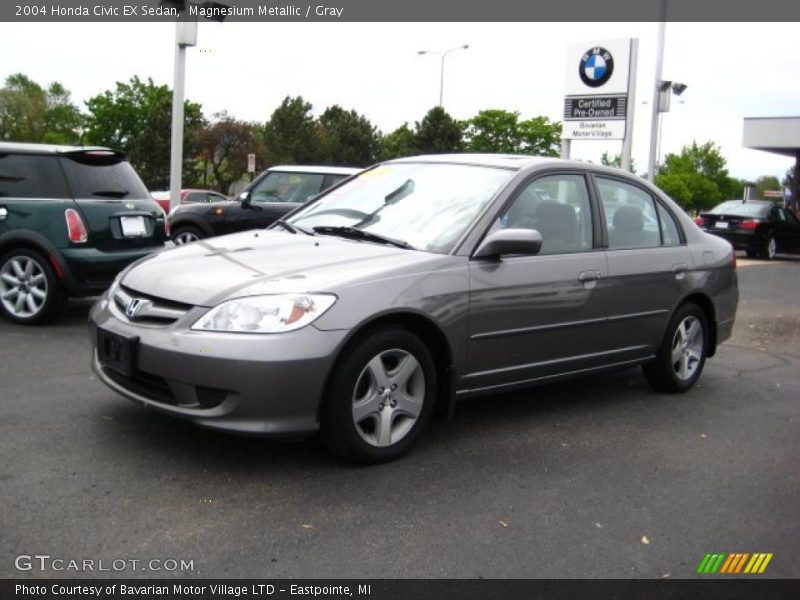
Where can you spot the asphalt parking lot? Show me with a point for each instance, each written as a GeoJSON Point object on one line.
{"type": "Point", "coordinates": [595, 478]}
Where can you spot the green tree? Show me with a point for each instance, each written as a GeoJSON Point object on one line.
{"type": "Point", "coordinates": [437, 133]}
{"type": "Point", "coordinates": [348, 138]}
{"type": "Point", "coordinates": [223, 146]}
{"type": "Point", "coordinates": [767, 183]}
{"type": "Point", "coordinates": [398, 143]}
{"type": "Point", "coordinates": [697, 177]}
{"type": "Point", "coordinates": [615, 161]}
{"type": "Point", "coordinates": [502, 131]}
{"type": "Point", "coordinates": [291, 135]}
{"type": "Point", "coordinates": [31, 113]}
{"type": "Point", "coordinates": [136, 118]}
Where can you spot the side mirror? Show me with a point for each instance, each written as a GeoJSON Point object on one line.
{"type": "Point", "coordinates": [510, 241]}
{"type": "Point", "coordinates": [245, 198]}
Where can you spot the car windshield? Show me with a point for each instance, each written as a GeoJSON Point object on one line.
{"type": "Point", "coordinates": [738, 208]}
{"type": "Point", "coordinates": [427, 206]}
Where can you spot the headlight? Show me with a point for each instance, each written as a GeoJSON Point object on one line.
{"type": "Point", "coordinates": [265, 314]}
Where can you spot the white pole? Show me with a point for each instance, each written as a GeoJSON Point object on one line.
{"type": "Point", "coordinates": [627, 141]}
{"type": "Point", "coordinates": [176, 145]}
{"type": "Point", "coordinates": [651, 163]}
{"type": "Point", "coordinates": [185, 35]}
{"type": "Point", "coordinates": [441, 82]}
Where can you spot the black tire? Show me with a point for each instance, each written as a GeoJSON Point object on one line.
{"type": "Point", "coordinates": [663, 373]}
{"type": "Point", "coordinates": [769, 248]}
{"type": "Point", "coordinates": [189, 231]}
{"type": "Point", "coordinates": [751, 253]}
{"type": "Point", "coordinates": [352, 378]}
{"type": "Point", "coordinates": [47, 307]}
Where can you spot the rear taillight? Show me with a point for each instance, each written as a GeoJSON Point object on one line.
{"type": "Point", "coordinates": [700, 221]}
{"type": "Point", "coordinates": [749, 224]}
{"type": "Point", "coordinates": [75, 227]}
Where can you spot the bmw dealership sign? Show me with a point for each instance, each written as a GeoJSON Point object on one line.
{"type": "Point", "coordinates": [599, 78]}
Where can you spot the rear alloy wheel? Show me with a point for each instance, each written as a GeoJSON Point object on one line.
{"type": "Point", "coordinates": [381, 397]}
{"type": "Point", "coordinates": [770, 248]}
{"type": "Point", "coordinates": [29, 291]}
{"type": "Point", "coordinates": [683, 351]}
{"type": "Point", "coordinates": [187, 235]}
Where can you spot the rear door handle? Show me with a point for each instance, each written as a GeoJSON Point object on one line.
{"type": "Point", "coordinates": [589, 276]}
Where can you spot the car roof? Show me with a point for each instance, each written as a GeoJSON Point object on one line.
{"type": "Point", "coordinates": [505, 161]}
{"type": "Point", "coordinates": [316, 169]}
{"type": "Point", "coordinates": [22, 148]}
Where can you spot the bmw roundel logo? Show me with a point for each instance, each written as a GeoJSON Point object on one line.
{"type": "Point", "coordinates": [596, 67]}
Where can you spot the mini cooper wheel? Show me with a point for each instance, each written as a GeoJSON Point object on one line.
{"type": "Point", "coordinates": [683, 351]}
{"type": "Point", "coordinates": [29, 290]}
{"type": "Point", "coordinates": [187, 235]}
{"type": "Point", "coordinates": [381, 397]}
{"type": "Point", "coordinates": [770, 248]}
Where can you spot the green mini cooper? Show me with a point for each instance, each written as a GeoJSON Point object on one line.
{"type": "Point", "coordinates": [71, 218]}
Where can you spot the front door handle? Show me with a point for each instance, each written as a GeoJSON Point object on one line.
{"type": "Point", "coordinates": [680, 268]}
{"type": "Point", "coordinates": [589, 276]}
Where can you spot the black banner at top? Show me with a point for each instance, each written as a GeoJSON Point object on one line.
{"type": "Point", "coordinates": [398, 11]}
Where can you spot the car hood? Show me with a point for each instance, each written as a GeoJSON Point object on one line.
{"type": "Point", "coordinates": [203, 207]}
{"type": "Point", "coordinates": [209, 271]}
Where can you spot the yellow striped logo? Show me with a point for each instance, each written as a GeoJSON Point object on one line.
{"type": "Point", "coordinates": [735, 562]}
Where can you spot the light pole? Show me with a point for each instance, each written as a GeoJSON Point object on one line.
{"type": "Point", "coordinates": [185, 35]}
{"type": "Point", "coordinates": [442, 56]}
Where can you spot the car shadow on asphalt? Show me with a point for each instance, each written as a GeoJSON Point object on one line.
{"type": "Point", "coordinates": [494, 420]}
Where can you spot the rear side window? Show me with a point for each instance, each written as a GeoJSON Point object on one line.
{"type": "Point", "coordinates": [631, 217]}
{"type": "Point", "coordinates": [31, 176]}
{"type": "Point", "coordinates": [669, 229]}
{"type": "Point", "coordinates": [103, 177]}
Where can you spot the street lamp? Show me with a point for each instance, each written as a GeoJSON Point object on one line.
{"type": "Point", "coordinates": [442, 56]}
{"type": "Point", "coordinates": [185, 35]}
{"type": "Point", "coordinates": [664, 91]}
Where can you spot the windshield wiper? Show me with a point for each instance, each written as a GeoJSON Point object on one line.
{"type": "Point", "coordinates": [360, 234]}
{"type": "Point", "coordinates": [292, 228]}
{"type": "Point", "coordinates": [111, 193]}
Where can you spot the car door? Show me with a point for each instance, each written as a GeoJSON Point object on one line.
{"type": "Point", "coordinates": [786, 228]}
{"type": "Point", "coordinates": [648, 265]}
{"type": "Point", "coordinates": [792, 231]}
{"type": "Point", "coordinates": [533, 317]}
{"type": "Point", "coordinates": [274, 195]}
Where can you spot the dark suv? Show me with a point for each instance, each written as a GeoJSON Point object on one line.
{"type": "Point", "coordinates": [71, 218]}
{"type": "Point", "coordinates": [274, 193]}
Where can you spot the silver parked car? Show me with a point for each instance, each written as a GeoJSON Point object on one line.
{"type": "Point", "coordinates": [420, 281]}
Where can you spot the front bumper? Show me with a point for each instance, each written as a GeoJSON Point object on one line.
{"type": "Point", "coordinates": [258, 384]}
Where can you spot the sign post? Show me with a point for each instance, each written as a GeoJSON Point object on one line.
{"type": "Point", "coordinates": [600, 94]}
{"type": "Point", "coordinates": [251, 165]}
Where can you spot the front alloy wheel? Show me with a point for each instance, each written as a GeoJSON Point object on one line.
{"type": "Point", "coordinates": [388, 397]}
{"type": "Point", "coordinates": [380, 397]}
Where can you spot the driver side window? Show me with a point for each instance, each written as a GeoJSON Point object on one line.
{"type": "Point", "coordinates": [557, 206]}
{"type": "Point", "coordinates": [287, 187]}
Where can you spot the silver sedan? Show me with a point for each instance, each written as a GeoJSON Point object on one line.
{"type": "Point", "coordinates": [420, 281]}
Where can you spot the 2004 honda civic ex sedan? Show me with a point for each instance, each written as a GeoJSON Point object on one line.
{"type": "Point", "coordinates": [372, 308]}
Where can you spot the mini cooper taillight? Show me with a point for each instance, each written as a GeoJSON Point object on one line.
{"type": "Point", "coordinates": [75, 227]}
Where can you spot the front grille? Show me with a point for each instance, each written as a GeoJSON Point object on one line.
{"type": "Point", "coordinates": [143, 308]}
{"type": "Point", "coordinates": [157, 389]}
{"type": "Point", "coordinates": [144, 384]}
